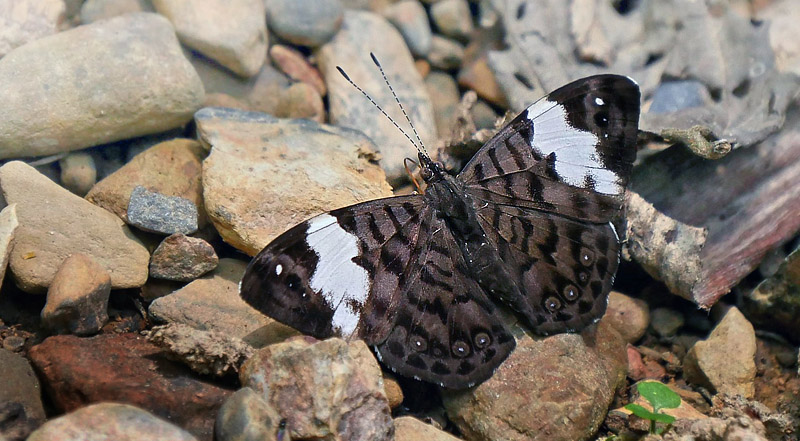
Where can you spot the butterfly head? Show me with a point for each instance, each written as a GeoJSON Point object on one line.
{"type": "Point", "coordinates": [432, 171]}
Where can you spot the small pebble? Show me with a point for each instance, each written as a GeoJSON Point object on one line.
{"type": "Point", "coordinates": [78, 172]}
{"type": "Point", "coordinates": [305, 22]}
{"type": "Point", "coordinates": [452, 18]}
{"type": "Point", "coordinates": [77, 299]}
{"type": "Point", "coordinates": [182, 258]}
{"type": "Point", "coordinates": [13, 343]}
{"type": "Point", "coordinates": [410, 18]}
{"type": "Point", "coordinates": [445, 54]}
{"type": "Point", "coordinates": [157, 213]}
{"type": "Point", "coordinates": [301, 100]}
{"type": "Point", "coordinates": [291, 62]}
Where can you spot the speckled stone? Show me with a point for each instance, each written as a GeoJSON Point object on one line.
{"type": "Point", "coordinates": [157, 213]}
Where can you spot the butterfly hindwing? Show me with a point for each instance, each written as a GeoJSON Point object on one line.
{"type": "Point", "coordinates": [445, 329]}
{"type": "Point", "coordinates": [337, 273]}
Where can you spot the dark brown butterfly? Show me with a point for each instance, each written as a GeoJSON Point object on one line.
{"type": "Point", "coordinates": [526, 224]}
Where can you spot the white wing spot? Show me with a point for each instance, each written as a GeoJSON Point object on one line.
{"type": "Point", "coordinates": [343, 284]}
{"type": "Point", "coordinates": [278, 269]}
{"type": "Point", "coordinates": [576, 150]}
{"type": "Point", "coordinates": [599, 101]}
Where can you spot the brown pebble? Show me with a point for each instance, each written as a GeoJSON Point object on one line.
{"type": "Point", "coordinates": [292, 63]}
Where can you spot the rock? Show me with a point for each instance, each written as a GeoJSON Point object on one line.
{"type": "Point", "coordinates": [94, 10]}
{"type": "Point", "coordinates": [54, 223]}
{"type": "Point", "coordinates": [77, 300]}
{"type": "Point", "coordinates": [260, 93]}
{"type": "Point", "coordinates": [477, 75]}
{"type": "Point", "coordinates": [182, 258]}
{"type": "Point", "coordinates": [350, 49]}
{"type": "Point", "coordinates": [666, 321]}
{"type": "Point", "coordinates": [784, 36]}
{"type": "Point", "coordinates": [640, 368]}
{"type": "Point", "coordinates": [230, 32]}
{"type": "Point", "coordinates": [120, 422]}
{"type": "Point", "coordinates": [327, 388]}
{"type": "Point", "coordinates": [126, 368]}
{"type": "Point", "coordinates": [21, 407]}
{"type": "Point", "coordinates": [88, 93]}
{"type": "Point", "coordinates": [291, 62]}
{"type": "Point", "coordinates": [725, 361]}
{"type": "Point", "coordinates": [535, 395]}
{"type": "Point", "coordinates": [248, 417]}
{"type": "Point", "coordinates": [445, 54]}
{"type": "Point", "coordinates": [629, 316]}
{"type": "Point", "coordinates": [410, 18]}
{"type": "Point", "coordinates": [78, 172]}
{"type": "Point", "coordinates": [15, 343]}
{"type": "Point", "coordinates": [212, 303]}
{"type": "Point", "coordinates": [22, 21]}
{"type": "Point", "coordinates": [172, 168]}
{"type": "Point", "coordinates": [445, 98]}
{"type": "Point", "coordinates": [483, 115]}
{"type": "Point", "coordinates": [394, 394]}
{"type": "Point", "coordinates": [672, 96]}
{"type": "Point", "coordinates": [205, 352]}
{"type": "Point", "coordinates": [304, 22]}
{"type": "Point", "coordinates": [774, 303]}
{"type": "Point", "coordinates": [8, 227]}
{"type": "Point", "coordinates": [408, 428]}
{"type": "Point", "coordinates": [301, 100]}
{"type": "Point", "coordinates": [452, 18]}
{"type": "Point", "coordinates": [284, 171]}
{"type": "Point", "coordinates": [157, 213]}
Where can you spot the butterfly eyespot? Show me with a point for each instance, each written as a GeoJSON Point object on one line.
{"type": "Point", "coordinates": [583, 277]}
{"type": "Point", "coordinates": [586, 257]}
{"type": "Point", "coordinates": [571, 293]}
{"type": "Point", "coordinates": [418, 343]}
{"type": "Point", "coordinates": [460, 349]}
{"type": "Point", "coordinates": [601, 119]}
{"type": "Point", "coordinates": [482, 340]}
{"type": "Point", "coordinates": [552, 304]}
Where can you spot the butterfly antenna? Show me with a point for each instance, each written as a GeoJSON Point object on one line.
{"type": "Point", "coordinates": [397, 100]}
{"type": "Point", "coordinates": [346, 77]}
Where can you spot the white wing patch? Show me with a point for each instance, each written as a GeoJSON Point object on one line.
{"type": "Point", "coordinates": [576, 150]}
{"type": "Point", "coordinates": [343, 284]}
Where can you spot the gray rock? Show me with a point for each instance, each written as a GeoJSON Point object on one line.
{"type": "Point", "coordinates": [21, 407]}
{"type": "Point", "coordinates": [305, 22]}
{"type": "Point", "coordinates": [410, 18]}
{"type": "Point", "coordinates": [54, 224]}
{"type": "Point", "coordinates": [57, 99]}
{"type": "Point", "coordinates": [350, 49]}
{"type": "Point", "coordinates": [445, 54]}
{"type": "Point", "coordinates": [666, 321]}
{"type": "Point", "coordinates": [212, 303]}
{"type": "Point", "coordinates": [78, 172]}
{"type": "Point", "coordinates": [672, 96]}
{"type": "Point", "coordinates": [231, 32]}
{"type": "Point", "coordinates": [452, 18]}
{"type": "Point", "coordinates": [120, 422]}
{"type": "Point", "coordinates": [22, 21]}
{"type": "Point", "coordinates": [327, 388]}
{"type": "Point", "coordinates": [284, 171]}
{"type": "Point", "coordinates": [245, 416]}
{"type": "Point", "coordinates": [94, 10]}
{"type": "Point", "coordinates": [77, 300]}
{"type": "Point", "coordinates": [158, 213]}
{"type": "Point", "coordinates": [182, 258]}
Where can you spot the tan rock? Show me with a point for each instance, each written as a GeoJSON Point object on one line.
{"type": "Point", "coordinates": [8, 225]}
{"type": "Point", "coordinates": [301, 100]}
{"type": "Point", "coordinates": [327, 388]}
{"type": "Point", "coordinates": [77, 300]}
{"type": "Point", "coordinates": [408, 428]}
{"type": "Point", "coordinates": [22, 21]}
{"type": "Point", "coordinates": [350, 49]}
{"type": "Point", "coordinates": [284, 171]}
{"type": "Point", "coordinates": [78, 172]}
{"type": "Point", "coordinates": [93, 10]}
{"type": "Point", "coordinates": [93, 95]}
{"type": "Point", "coordinates": [212, 303]}
{"type": "Point", "coordinates": [171, 168]}
{"type": "Point", "coordinates": [629, 316]}
{"type": "Point", "coordinates": [479, 77]}
{"type": "Point", "coordinates": [725, 362]}
{"type": "Point", "coordinates": [182, 258]}
{"type": "Point", "coordinates": [230, 32]}
{"type": "Point", "coordinates": [393, 391]}
{"type": "Point", "coordinates": [54, 224]}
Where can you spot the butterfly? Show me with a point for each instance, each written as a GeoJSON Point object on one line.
{"type": "Point", "coordinates": [525, 225]}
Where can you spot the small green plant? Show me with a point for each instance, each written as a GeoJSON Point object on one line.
{"type": "Point", "coordinates": [660, 397]}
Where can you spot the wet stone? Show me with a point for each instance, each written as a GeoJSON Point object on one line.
{"type": "Point", "coordinates": [672, 96]}
{"type": "Point", "coordinates": [157, 213]}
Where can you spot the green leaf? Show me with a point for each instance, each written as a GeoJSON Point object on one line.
{"type": "Point", "coordinates": [641, 412]}
{"type": "Point", "coordinates": [659, 395]}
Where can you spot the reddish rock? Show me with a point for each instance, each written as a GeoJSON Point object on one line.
{"type": "Point", "coordinates": [125, 368]}
{"type": "Point", "coordinates": [293, 64]}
